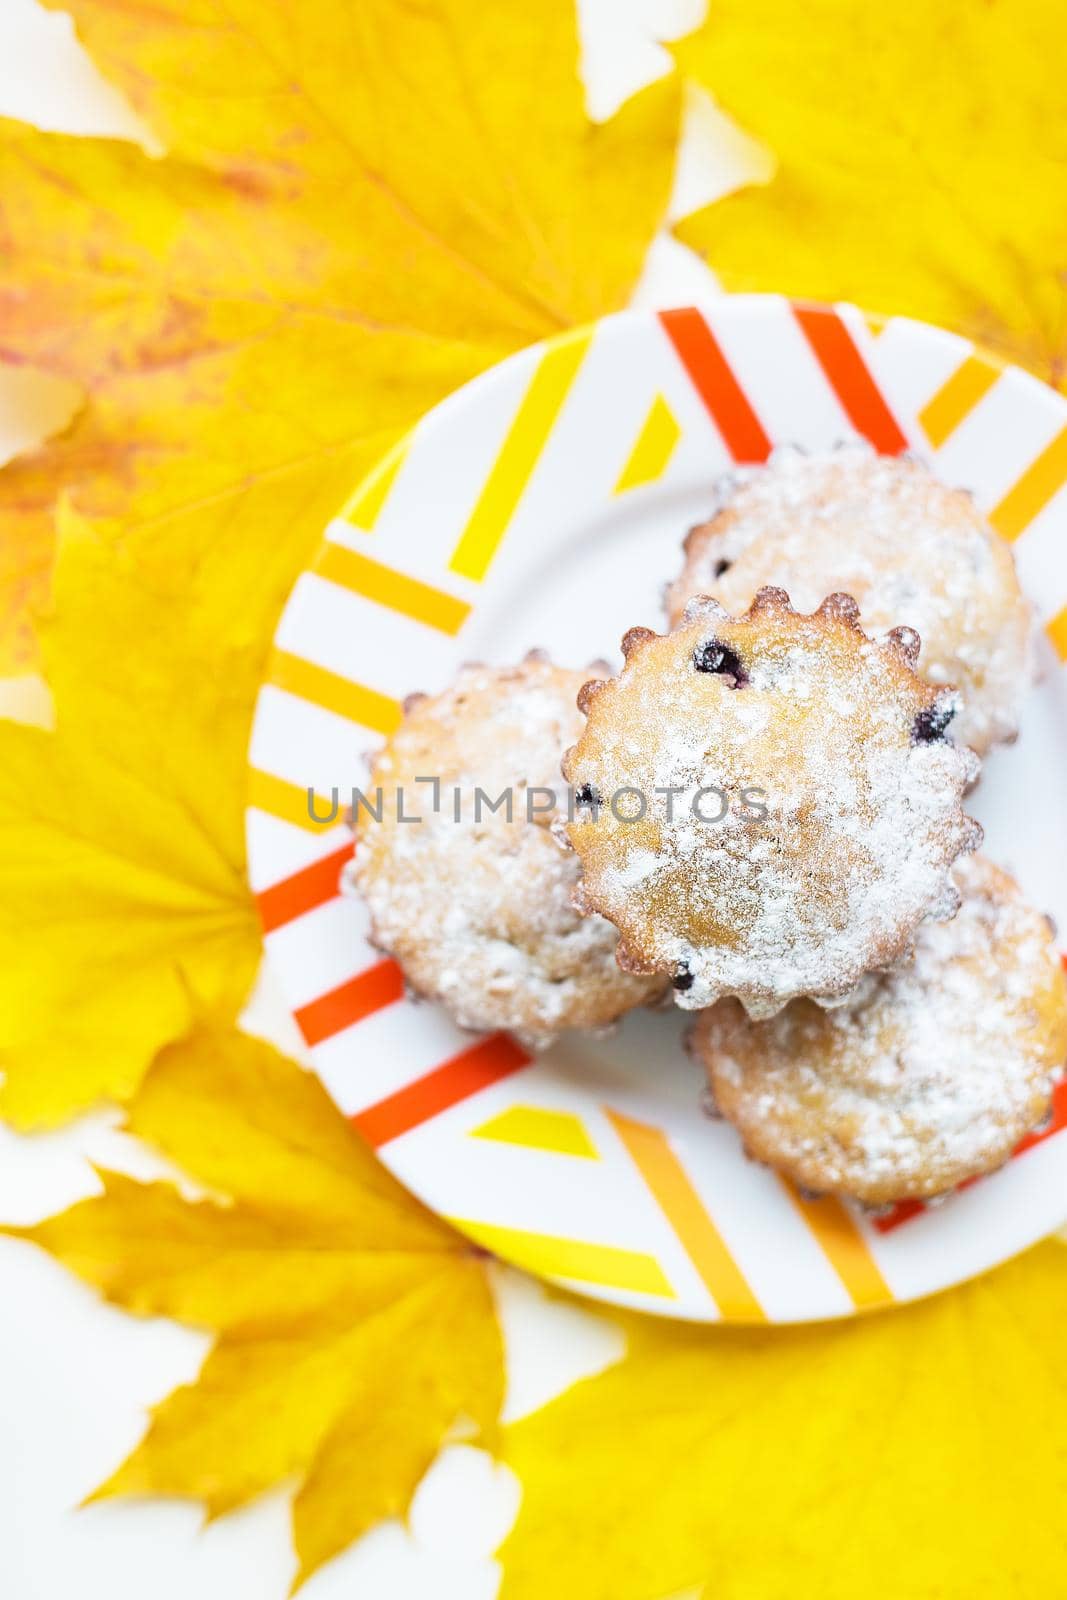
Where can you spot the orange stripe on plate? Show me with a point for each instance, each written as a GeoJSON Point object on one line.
{"type": "Point", "coordinates": [369, 991]}
{"type": "Point", "coordinates": [844, 1247]}
{"type": "Point", "coordinates": [849, 377]}
{"type": "Point", "coordinates": [1042, 479]}
{"type": "Point", "coordinates": [454, 1080]}
{"type": "Point", "coordinates": [902, 1212]}
{"type": "Point", "coordinates": [304, 891]}
{"type": "Point", "coordinates": [1057, 632]}
{"type": "Point", "coordinates": [334, 692]}
{"type": "Point", "coordinates": [395, 590]}
{"type": "Point", "coordinates": [957, 398]}
{"type": "Point", "coordinates": [683, 1208]}
{"type": "Point", "coordinates": [714, 381]}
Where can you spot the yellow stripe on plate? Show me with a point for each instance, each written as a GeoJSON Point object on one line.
{"type": "Point", "coordinates": [289, 802]}
{"type": "Point", "coordinates": [519, 455]}
{"type": "Point", "coordinates": [957, 398]}
{"type": "Point", "coordinates": [683, 1208]}
{"type": "Point", "coordinates": [536, 1128]}
{"type": "Point", "coordinates": [387, 587]}
{"type": "Point", "coordinates": [333, 692]}
{"type": "Point", "coordinates": [1041, 480]}
{"type": "Point", "coordinates": [550, 1256]}
{"type": "Point", "coordinates": [1057, 632]}
{"type": "Point", "coordinates": [364, 508]}
{"type": "Point", "coordinates": [844, 1246]}
{"type": "Point", "coordinates": [652, 449]}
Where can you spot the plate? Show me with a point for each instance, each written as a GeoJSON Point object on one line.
{"type": "Point", "coordinates": [544, 504]}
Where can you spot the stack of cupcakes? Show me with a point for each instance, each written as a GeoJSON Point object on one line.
{"type": "Point", "coordinates": [762, 818]}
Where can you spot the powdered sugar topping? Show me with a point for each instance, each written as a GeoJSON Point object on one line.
{"type": "Point", "coordinates": [795, 831]}
{"type": "Point", "coordinates": [476, 902]}
{"type": "Point", "coordinates": [929, 1075]}
{"type": "Point", "coordinates": [909, 549]}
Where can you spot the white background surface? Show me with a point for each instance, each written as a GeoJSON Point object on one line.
{"type": "Point", "coordinates": [76, 1377]}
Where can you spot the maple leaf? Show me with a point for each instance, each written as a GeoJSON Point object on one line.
{"type": "Point", "coordinates": [355, 1333]}
{"type": "Point", "coordinates": [361, 207]}
{"type": "Point", "coordinates": [921, 162]}
{"type": "Point", "coordinates": [27, 501]}
{"type": "Point", "coordinates": [919, 1450]}
{"type": "Point", "coordinates": [123, 901]}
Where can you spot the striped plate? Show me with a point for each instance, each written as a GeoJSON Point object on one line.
{"type": "Point", "coordinates": [543, 505]}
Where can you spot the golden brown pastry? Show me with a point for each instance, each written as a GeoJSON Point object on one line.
{"type": "Point", "coordinates": [929, 1077]}
{"type": "Point", "coordinates": [909, 549]}
{"type": "Point", "coordinates": [767, 805]}
{"type": "Point", "coordinates": [478, 911]}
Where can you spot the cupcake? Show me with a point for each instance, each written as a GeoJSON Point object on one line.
{"type": "Point", "coordinates": [930, 1076]}
{"type": "Point", "coordinates": [906, 547]}
{"type": "Point", "coordinates": [474, 898]}
{"type": "Point", "coordinates": [768, 805]}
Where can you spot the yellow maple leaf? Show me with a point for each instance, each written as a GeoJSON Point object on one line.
{"type": "Point", "coordinates": [27, 499]}
{"type": "Point", "coordinates": [355, 1333]}
{"type": "Point", "coordinates": [361, 206]}
{"type": "Point", "coordinates": [123, 901]}
{"type": "Point", "coordinates": [359, 209]}
{"type": "Point", "coordinates": [916, 1453]}
{"type": "Point", "coordinates": [921, 162]}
